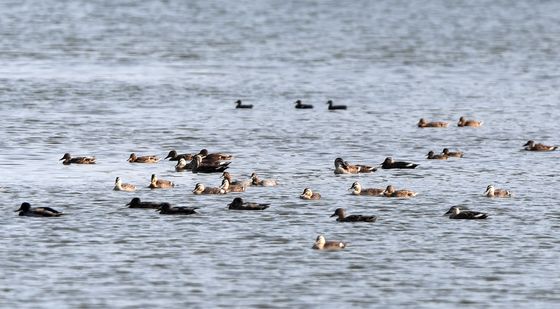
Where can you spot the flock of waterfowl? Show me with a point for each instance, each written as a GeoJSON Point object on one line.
{"type": "Point", "coordinates": [205, 162]}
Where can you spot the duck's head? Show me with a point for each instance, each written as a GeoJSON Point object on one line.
{"type": "Point", "coordinates": [430, 154]}
{"type": "Point", "coordinates": [134, 201]}
{"type": "Point", "coordinates": [329, 102]}
{"type": "Point", "coordinates": [118, 181]}
{"type": "Point", "coordinates": [388, 160]}
{"type": "Point", "coordinates": [197, 159]}
{"type": "Point", "coordinates": [181, 163]}
{"type": "Point", "coordinates": [340, 212]}
{"type": "Point", "coordinates": [198, 188]}
{"type": "Point", "coordinates": [461, 119]}
{"type": "Point", "coordinates": [390, 189]}
{"type": "Point", "coordinates": [422, 121]}
{"type": "Point", "coordinates": [25, 206]}
{"type": "Point", "coordinates": [154, 178]}
{"type": "Point", "coordinates": [171, 154]}
{"type": "Point", "coordinates": [355, 186]}
{"type": "Point", "coordinates": [297, 102]}
{"type": "Point", "coordinates": [307, 192]}
{"type": "Point", "coordinates": [66, 157]}
{"type": "Point", "coordinates": [132, 157]}
{"type": "Point", "coordinates": [339, 162]}
{"type": "Point", "coordinates": [226, 175]}
{"type": "Point", "coordinates": [320, 241]}
{"type": "Point", "coordinates": [445, 151]}
{"type": "Point", "coordinates": [236, 202]}
{"type": "Point", "coordinates": [454, 210]}
{"type": "Point", "coordinates": [530, 143]}
{"type": "Point", "coordinates": [238, 102]}
{"type": "Point", "coordinates": [203, 152]}
{"type": "Point", "coordinates": [490, 189]}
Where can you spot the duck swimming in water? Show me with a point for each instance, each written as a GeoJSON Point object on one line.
{"type": "Point", "coordinates": [454, 154]}
{"type": "Point", "coordinates": [333, 107]}
{"type": "Point", "coordinates": [300, 105]}
{"type": "Point", "coordinates": [76, 160]}
{"type": "Point", "coordinates": [322, 244]}
{"type": "Point", "coordinates": [310, 195]}
{"type": "Point", "coordinates": [458, 212]}
{"type": "Point", "coordinates": [358, 190]}
{"type": "Point", "coordinates": [137, 203]}
{"type": "Point", "coordinates": [26, 210]}
{"type": "Point", "coordinates": [532, 146]}
{"type": "Point", "coordinates": [201, 189]}
{"type": "Point", "coordinates": [391, 192]}
{"type": "Point", "coordinates": [256, 181]}
{"type": "Point", "coordinates": [156, 183]}
{"type": "Point", "coordinates": [468, 123]}
{"type": "Point", "coordinates": [343, 167]}
{"type": "Point", "coordinates": [239, 104]}
{"type": "Point", "coordinates": [142, 159]}
{"type": "Point", "coordinates": [239, 204]}
{"type": "Point", "coordinates": [342, 217]}
{"type": "Point", "coordinates": [174, 156]}
{"type": "Point", "coordinates": [433, 156]}
{"type": "Point", "coordinates": [167, 209]}
{"type": "Point", "coordinates": [493, 192]}
{"type": "Point", "coordinates": [390, 163]}
{"type": "Point", "coordinates": [197, 166]}
{"type": "Point", "coordinates": [434, 124]}
{"type": "Point", "coordinates": [120, 186]}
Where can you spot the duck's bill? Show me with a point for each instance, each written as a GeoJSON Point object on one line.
{"type": "Point", "coordinates": [332, 215]}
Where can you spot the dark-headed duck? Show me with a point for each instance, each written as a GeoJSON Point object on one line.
{"type": "Point", "coordinates": [167, 209]}
{"type": "Point", "coordinates": [454, 154]}
{"type": "Point", "coordinates": [26, 210]}
{"type": "Point", "coordinates": [532, 146]}
{"type": "Point", "coordinates": [300, 105]}
{"type": "Point", "coordinates": [137, 203]}
{"type": "Point", "coordinates": [76, 160]}
{"type": "Point", "coordinates": [342, 217]}
{"type": "Point", "coordinates": [457, 212]}
{"type": "Point", "coordinates": [390, 163]}
{"type": "Point", "coordinates": [239, 104]}
{"type": "Point", "coordinates": [198, 166]}
{"type": "Point", "coordinates": [174, 156]}
{"type": "Point", "coordinates": [333, 107]}
{"type": "Point", "coordinates": [211, 157]}
{"type": "Point", "coordinates": [239, 204]}
{"type": "Point", "coordinates": [433, 156]}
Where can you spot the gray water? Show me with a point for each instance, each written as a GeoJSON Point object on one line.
{"type": "Point", "coordinates": [107, 79]}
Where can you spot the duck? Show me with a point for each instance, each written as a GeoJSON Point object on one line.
{"type": "Point", "coordinates": [391, 192]}
{"type": "Point", "coordinates": [174, 156]}
{"type": "Point", "coordinates": [322, 244]}
{"type": "Point", "coordinates": [120, 186]}
{"type": "Point", "coordinates": [310, 195]}
{"type": "Point", "coordinates": [358, 190]}
{"type": "Point", "coordinates": [341, 214]}
{"type": "Point", "coordinates": [390, 163]}
{"type": "Point", "coordinates": [212, 157]}
{"type": "Point", "coordinates": [256, 181]}
{"type": "Point", "coordinates": [227, 175]}
{"type": "Point", "coordinates": [458, 212]}
{"type": "Point", "coordinates": [197, 166]}
{"type": "Point", "coordinates": [493, 192]}
{"type": "Point", "coordinates": [201, 189]}
{"type": "Point", "coordinates": [468, 123]}
{"type": "Point", "coordinates": [142, 159]}
{"type": "Point", "coordinates": [167, 209]}
{"type": "Point", "coordinates": [239, 204]}
{"type": "Point", "coordinates": [156, 183]}
{"type": "Point", "coordinates": [333, 107]}
{"type": "Point", "coordinates": [454, 154]}
{"type": "Point", "coordinates": [433, 156]}
{"type": "Point", "coordinates": [531, 146]}
{"type": "Point", "coordinates": [239, 104]}
{"type": "Point", "coordinates": [182, 165]}
{"type": "Point", "coordinates": [232, 188]}
{"type": "Point", "coordinates": [433, 124]}
{"type": "Point", "coordinates": [76, 160]}
{"type": "Point", "coordinates": [343, 167]}
{"type": "Point", "coordinates": [137, 203]}
{"type": "Point", "coordinates": [300, 105]}
{"type": "Point", "coordinates": [26, 210]}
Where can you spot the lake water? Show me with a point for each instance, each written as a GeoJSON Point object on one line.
{"type": "Point", "coordinates": [107, 79]}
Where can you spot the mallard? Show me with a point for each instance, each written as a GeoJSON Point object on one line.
{"type": "Point", "coordinates": [300, 105]}
{"type": "Point", "coordinates": [310, 195]}
{"type": "Point", "coordinates": [391, 192]}
{"type": "Point", "coordinates": [76, 160]}
{"type": "Point", "coordinates": [232, 188]}
{"type": "Point", "coordinates": [241, 105]}
{"type": "Point", "coordinates": [239, 204]}
{"type": "Point", "coordinates": [136, 203]}
{"type": "Point", "coordinates": [333, 107]}
{"type": "Point", "coordinates": [26, 210]}
{"type": "Point", "coordinates": [390, 163]}
{"type": "Point", "coordinates": [434, 124]}
{"type": "Point", "coordinates": [457, 212]}
{"type": "Point", "coordinates": [454, 154]}
{"type": "Point", "coordinates": [120, 186]}
{"type": "Point", "coordinates": [160, 183]}
{"type": "Point", "coordinates": [322, 244]}
{"type": "Point", "coordinates": [256, 181]}
{"type": "Point", "coordinates": [343, 167]}
{"type": "Point", "coordinates": [212, 157]}
{"type": "Point", "coordinates": [433, 156]}
{"type": "Point", "coordinates": [142, 159]}
{"type": "Point", "coordinates": [167, 209]}
{"type": "Point", "coordinates": [197, 166]}
{"type": "Point", "coordinates": [468, 123]}
{"type": "Point", "coordinates": [493, 192]}
{"type": "Point", "coordinates": [531, 146]}
{"type": "Point", "coordinates": [341, 214]}
{"type": "Point", "coordinates": [201, 189]}
{"type": "Point", "coordinates": [174, 156]}
{"type": "Point", "coordinates": [357, 190]}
